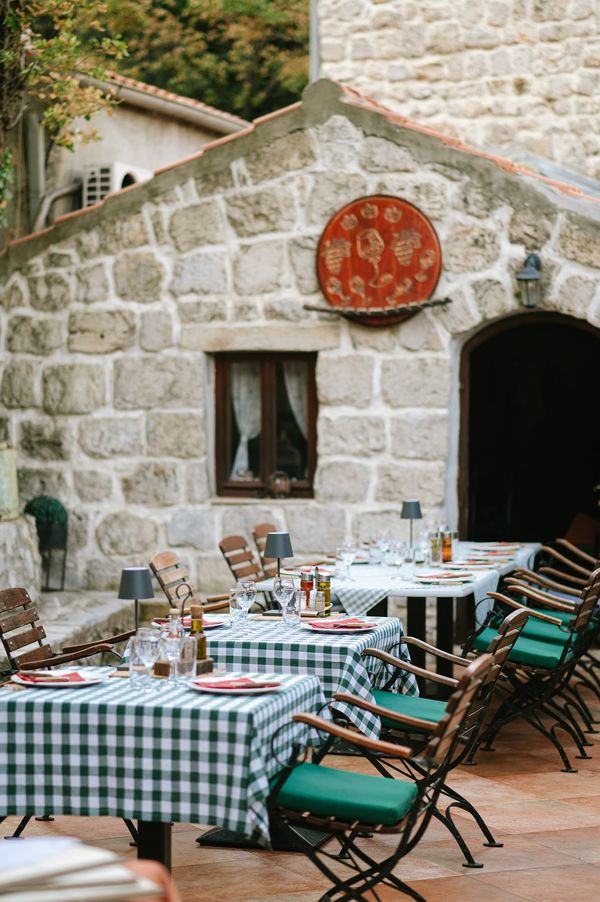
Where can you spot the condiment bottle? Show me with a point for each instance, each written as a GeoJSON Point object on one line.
{"type": "Point", "coordinates": [306, 584]}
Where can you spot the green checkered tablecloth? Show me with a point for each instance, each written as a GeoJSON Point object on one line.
{"type": "Point", "coordinates": [335, 659]}
{"type": "Point", "coordinates": [177, 755]}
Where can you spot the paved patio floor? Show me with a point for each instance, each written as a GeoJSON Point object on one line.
{"type": "Point", "coordinates": [548, 821]}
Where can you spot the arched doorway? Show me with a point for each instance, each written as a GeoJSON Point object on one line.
{"type": "Point", "coordinates": [530, 427]}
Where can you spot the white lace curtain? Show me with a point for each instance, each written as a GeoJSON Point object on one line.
{"type": "Point", "coordinates": [245, 395]}
{"type": "Point", "coordinates": [294, 374]}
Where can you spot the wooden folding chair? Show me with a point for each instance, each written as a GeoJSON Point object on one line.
{"type": "Point", "coordinates": [173, 578]}
{"type": "Point", "coordinates": [239, 558]}
{"type": "Point", "coordinates": [259, 534]}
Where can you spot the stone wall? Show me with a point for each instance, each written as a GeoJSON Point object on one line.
{"type": "Point", "coordinates": [519, 73]}
{"type": "Point", "coordinates": [109, 321]}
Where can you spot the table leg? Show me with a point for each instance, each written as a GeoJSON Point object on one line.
{"type": "Point", "coordinates": [154, 841]}
{"type": "Point", "coordinates": [415, 626]}
{"type": "Point", "coordinates": [445, 633]}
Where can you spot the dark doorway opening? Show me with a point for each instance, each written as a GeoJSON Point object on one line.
{"type": "Point", "coordinates": [530, 428]}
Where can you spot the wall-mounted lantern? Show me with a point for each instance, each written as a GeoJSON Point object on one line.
{"type": "Point", "coordinates": [529, 279]}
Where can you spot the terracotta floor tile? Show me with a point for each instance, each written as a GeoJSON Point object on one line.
{"type": "Point", "coordinates": [459, 889]}
{"type": "Point", "coordinates": [527, 817]}
{"type": "Point", "coordinates": [548, 785]}
{"type": "Point", "coordinates": [577, 883]}
{"type": "Point", "coordinates": [582, 843]}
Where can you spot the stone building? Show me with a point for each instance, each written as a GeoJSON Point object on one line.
{"type": "Point", "coordinates": [518, 74]}
{"type": "Point", "coordinates": [113, 322]}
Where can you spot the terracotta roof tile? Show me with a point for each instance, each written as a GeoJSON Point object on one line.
{"type": "Point", "coordinates": [135, 85]}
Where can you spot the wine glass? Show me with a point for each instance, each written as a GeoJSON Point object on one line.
{"type": "Point", "coordinates": [348, 552]}
{"type": "Point", "coordinates": [171, 647]}
{"type": "Point", "coordinates": [245, 592]}
{"type": "Point", "coordinates": [283, 589]}
{"type": "Point", "coordinates": [397, 555]}
{"type": "Point", "coordinates": [145, 649]}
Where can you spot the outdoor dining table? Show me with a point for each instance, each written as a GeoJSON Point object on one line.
{"type": "Point", "coordinates": [175, 755]}
{"type": "Point", "coordinates": [334, 658]}
{"type": "Point", "coordinates": [372, 584]}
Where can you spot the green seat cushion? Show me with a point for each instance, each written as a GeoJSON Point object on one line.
{"type": "Point", "coordinates": [545, 632]}
{"type": "Point", "coordinates": [337, 793]}
{"type": "Point", "coordinates": [423, 708]}
{"type": "Point", "coordinates": [525, 651]}
{"type": "Point", "coordinates": [560, 615]}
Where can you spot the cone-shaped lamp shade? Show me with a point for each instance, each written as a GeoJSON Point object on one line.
{"type": "Point", "coordinates": [278, 545]}
{"type": "Point", "coordinates": [411, 510]}
{"type": "Point", "coordinates": [136, 583]}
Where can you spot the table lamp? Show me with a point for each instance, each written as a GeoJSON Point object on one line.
{"type": "Point", "coordinates": [278, 545]}
{"type": "Point", "coordinates": [135, 584]}
{"type": "Point", "coordinates": [411, 510]}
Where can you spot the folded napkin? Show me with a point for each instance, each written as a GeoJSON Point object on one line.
{"type": "Point", "coordinates": [349, 623]}
{"type": "Point", "coordinates": [51, 678]}
{"type": "Point", "coordinates": [236, 683]}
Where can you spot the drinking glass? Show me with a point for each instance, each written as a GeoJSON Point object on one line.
{"type": "Point", "coordinates": [236, 612]}
{"type": "Point", "coordinates": [397, 555]}
{"type": "Point", "coordinates": [348, 552]}
{"type": "Point", "coordinates": [291, 609]}
{"type": "Point", "coordinates": [407, 571]}
{"type": "Point", "coordinates": [171, 646]}
{"type": "Point", "coordinates": [186, 664]}
{"type": "Point", "coordinates": [283, 589]}
{"type": "Point", "coordinates": [143, 653]}
{"type": "Point", "coordinates": [245, 594]}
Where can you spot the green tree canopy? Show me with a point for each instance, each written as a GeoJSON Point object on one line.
{"type": "Point", "coordinates": [248, 57]}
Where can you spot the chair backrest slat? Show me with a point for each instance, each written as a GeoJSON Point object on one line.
{"type": "Point", "coordinates": [13, 621]}
{"type": "Point", "coordinates": [239, 558]}
{"type": "Point", "coordinates": [43, 653]}
{"type": "Point", "coordinates": [27, 637]}
{"type": "Point", "coordinates": [18, 628]}
{"type": "Point", "coordinates": [259, 534]}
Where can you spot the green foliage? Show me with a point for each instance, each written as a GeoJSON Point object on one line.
{"type": "Point", "coordinates": [46, 510]}
{"type": "Point", "coordinates": [6, 177]}
{"type": "Point", "coordinates": [248, 57]}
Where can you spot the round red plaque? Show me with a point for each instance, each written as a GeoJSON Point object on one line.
{"type": "Point", "coordinates": [378, 255]}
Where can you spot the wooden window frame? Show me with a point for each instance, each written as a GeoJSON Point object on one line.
{"type": "Point", "coordinates": [227, 487]}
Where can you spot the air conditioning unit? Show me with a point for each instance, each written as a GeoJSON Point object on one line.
{"type": "Point", "coordinates": [100, 179]}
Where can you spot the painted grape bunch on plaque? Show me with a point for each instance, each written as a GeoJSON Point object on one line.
{"type": "Point", "coordinates": [378, 254]}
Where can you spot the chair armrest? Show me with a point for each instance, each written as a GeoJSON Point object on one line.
{"type": "Point", "coordinates": [575, 550]}
{"type": "Point", "coordinates": [536, 579]}
{"type": "Point", "coordinates": [358, 739]}
{"type": "Point", "coordinates": [433, 650]}
{"type": "Point", "coordinates": [584, 571]}
{"type": "Point", "coordinates": [540, 597]}
{"type": "Point", "coordinates": [65, 658]}
{"type": "Point", "coordinates": [111, 640]}
{"type": "Point", "coordinates": [211, 598]}
{"type": "Point", "coordinates": [517, 584]}
{"type": "Point", "coordinates": [577, 580]}
{"type": "Point", "coordinates": [521, 607]}
{"type": "Point", "coordinates": [213, 604]}
{"type": "Point", "coordinates": [405, 665]}
{"type": "Point", "coordinates": [405, 719]}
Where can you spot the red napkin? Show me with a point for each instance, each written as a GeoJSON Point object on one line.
{"type": "Point", "coordinates": [236, 683]}
{"type": "Point", "coordinates": [448, 575]}
{"type": "Point", "coordinates": [46, 678]}
{"type": "Point", "coordinates": [336, 624]}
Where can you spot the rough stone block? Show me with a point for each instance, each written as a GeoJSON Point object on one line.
{"type": "Point", "coordinates": [79, 529]}
{"type": "Point", "coordinates": [110, 437]}
{"type": "Point", "coordinates": [360, 436]}
{"type": "Point", "coordinates": [101, 331]}
{"type": "Point", "coordinates": [34, 334]}
{"type": "Point", "coordinates": [286, 154]}
{"type": "Point", "coordinates": [303, 252]}
{"type": "Point", "coordinates": [154, 484]}
{"type": "Point", "coordinates": [345, 379]}
{"type": "Point", "coordinates": [368, 525]}
{"type": "Point", "coordinates": [331, 190]}
{"type": "Point", "coordinates": [341, 482]}
{"type": "Point", "coordinates": [124, 232]}
{"type": "Point", "coordinates": [259, 268]}
{"type": "Point", "coordinates": [214, 182]}
{"type": "Point", "coordinates": [532, 226]}
{"type": "Point", "coordinates": [416, 381]}
{"type": "Point", "coordinates": [50, 293]}
{"type": "Point", "coordinates": [73, 388]}
{"type": "Point", "coordinates": [469, 248]}
{"type": "Point", "coordinates": [213, 574]}
{"type": "Point", "coordinates": [239, 518]}
{"type": "Point", "coordinates": [493, 298]}
{"type": "Point", "coordinates": [575, 296]}
{"type": "Point", "coordinates": [19, 384]}
{"type": "Point", "coordinates": [197, 484]}
{"type": "Point", "coordinates": [580, 241]}
{"type": "Point", "coordinates": [15, 293]}
{"type": "Point", "coordinates": [340, 142]}
{"type": "Point", "coordinates": [175, 435]}
{"type": "Point", "coordinates": [420, 434]}
{"type": "Point", "coordinates": [383, 155]}
{"type": "Point", "coordinates": [315, 528]}
{"type": "Point", "coordinates": [200, 273]}
{"type": "Point", "coordinates": [267, 210]}
{"type": "Point", "coordinates": [395, 482]}
{"type": "Point", "coordinates": [203, 311]}
{"type": "Point", "coordinates": [284, 308]}
{"type": "Point", "coordinates": [93, 485]}
{"type": "Point", "coordinates": [156, 331]}
{"type": "Point", "coordinates": [34, 481]}
{"type": "Point", "coordinates": [149, 383]}
{"type": "Point", "coordinates": [139, 277]}
{"type": "Point", "coordinates": [45, 439]}
{"type": "Point", "coordinates": [123, 533]}
{"type": "Point", "coordinates": [460, 315]}
{"type": "Point", "coordinates": [92, 284]}
{"type": "Point", "coordinates": [195, 527]}
{"type": "Point", "coordinates": [420, 334]}
{"type": "Point", "coordinates": [194, 226]}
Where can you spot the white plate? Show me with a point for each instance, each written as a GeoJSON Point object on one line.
{"type": "Point", "coordinates": [442, 582]}
{"type": "Point", "coordinates": [206, 624]}
{"type": "Point", "coordinates": [340, 629]}
{"type": "Point", "coordinates": [89, 680]}
{"type": "Point", "coordinates": [255, 690]}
